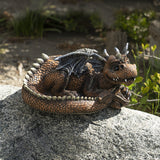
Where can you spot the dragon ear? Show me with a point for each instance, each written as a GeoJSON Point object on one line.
{"type": "Point", "coordinates": [118, 54]}
{"type": "Point", "coordinates": [125, 50]}
{"type": "Point", "coordinates": [106, 54]}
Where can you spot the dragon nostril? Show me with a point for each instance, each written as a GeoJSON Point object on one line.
{"type": "Point", "coordinates": [116, 68]}
{"type": "Point", "coordinates": [122, 66]}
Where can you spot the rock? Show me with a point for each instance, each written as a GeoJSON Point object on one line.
{"type": "Point", "coordinates": [154, 39]}
{"type": "Point", "coordinates": [154, 31]}
{"type": "Point", "coordinates": [110, 134]}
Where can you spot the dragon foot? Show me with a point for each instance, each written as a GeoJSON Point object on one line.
{"type": "Point", "coordinates": [116, 97]}
{"type": "Point", "coordinates": [125, 91]}
{"type": "Point", "coordinates": [121, 98]}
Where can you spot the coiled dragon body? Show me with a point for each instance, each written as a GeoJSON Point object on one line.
{"type": "Point", "coordinates": [80, 82]}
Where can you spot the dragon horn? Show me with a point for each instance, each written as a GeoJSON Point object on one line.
{"type": "Point", "coordinates": [106, 53]}
{"type": "Point", "coordinates": [118, 54]}
{"type": "Point", "coordinates": [125, 50]}
{"type": "Point", "coordinates": [117, 50]}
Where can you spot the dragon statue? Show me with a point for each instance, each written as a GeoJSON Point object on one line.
{"type": "Point", "coordinates": [80, 82]}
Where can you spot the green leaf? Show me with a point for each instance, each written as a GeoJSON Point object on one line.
{"type": "Point", "coordinates": [158, 75]}
{"type": "Point", "coordinates": [146, 46]}
{"type": "Point", "coordinates": [138, 79]}
{"type": "Point", "coordinates": [153, 48]}
{"type": "Point", "coordinates": [156, 88]}
{"type": "Point", "coordinates": [145, 90]}
{"type": "Point", "coordinates": [133, 100]}
{"type": "Point", "coordinates": [140, 52]}
{"type": "Point", "coordinates": [143, 100]}
{"type": "Point", "coordinates": [130, 87]}
{"type": "Point", "coordinates": [143, 46]}
{"type": "Point", "coordinates": [153, 78]}
{"type": "Point", "coordinates": [148, 83]}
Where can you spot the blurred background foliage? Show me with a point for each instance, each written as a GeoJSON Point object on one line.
{"type": "Point", "coordinates": [135, 24]}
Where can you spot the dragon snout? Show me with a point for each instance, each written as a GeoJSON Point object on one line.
{"type": "Point", "coordinates": [132, 70]}
{"type": "Point", "coordinates": [135, 70]}
{"type": "Point", "coordinates": [130, 74]}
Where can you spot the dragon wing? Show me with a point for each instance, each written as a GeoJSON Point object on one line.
{"type": "Point", "coordinates": [75, 62]}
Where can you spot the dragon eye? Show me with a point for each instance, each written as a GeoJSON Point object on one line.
{"type": "Point", "coordinates": [116, 68]}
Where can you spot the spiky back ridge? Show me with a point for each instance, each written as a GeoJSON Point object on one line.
{"type": "Point", "coordinates": [34, 76]}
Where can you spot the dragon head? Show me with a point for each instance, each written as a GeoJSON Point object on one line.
{"type": "Point", "coordinates": [118, 69]}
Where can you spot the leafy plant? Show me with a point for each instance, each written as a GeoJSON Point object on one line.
{"type": "Point", "coordinates": [75, 21]}
{"type": "Point", "coordinates": [146, 60]}
{"type": "Point", "coordinates": [54, 23]}
{"type": "Point", "coordinates": [146, 89]}
{"type": "Point", "coordinates": [31, 24]}
{"type": "Point", "coordinates": [147, 98]}
{"type": "Point", "coordinates": [35, 23]}
{"type": "Point", "coordinates": [82, 22]}
{"type": "Point", "coordinates": [135, 23]}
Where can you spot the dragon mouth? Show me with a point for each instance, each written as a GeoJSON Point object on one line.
{"type": "Point", "coordinates": [126, 81]}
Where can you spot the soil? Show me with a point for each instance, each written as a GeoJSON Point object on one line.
{"type": "Point", "coordinates": [18, 54]}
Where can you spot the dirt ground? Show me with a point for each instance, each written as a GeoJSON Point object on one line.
{"type": "Point", "coordinates": [17, 55]}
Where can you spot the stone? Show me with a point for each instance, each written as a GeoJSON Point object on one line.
{"type": "Point", "coordinates": [154, 38]}
{"type": "Point", "coordinates": [110, 134]}
{"type": "Point", "coordinates": [154, 31]}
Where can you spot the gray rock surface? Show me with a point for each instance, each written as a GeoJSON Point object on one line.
{"type": "Point", "coordinates": [27, 134]}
